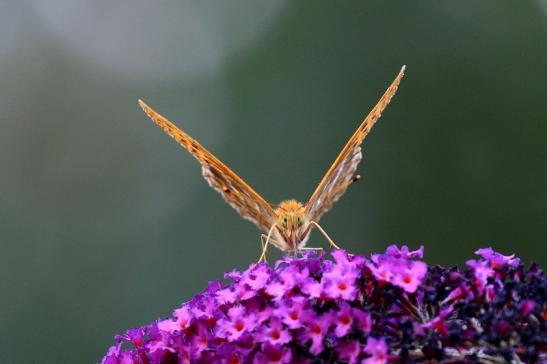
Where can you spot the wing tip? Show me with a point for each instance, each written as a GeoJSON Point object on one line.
{"type": "Point", "coordinates": [148, 111]}
{"type": "Point", "coordinates": [142, 104]}
{"type": "Point", "coordinates": [402, 72]}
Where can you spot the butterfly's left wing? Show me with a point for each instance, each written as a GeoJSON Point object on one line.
{"type": "Point", "coordinates": [235, 191]}
{"type": "Point", "coordinates": [340, 174]}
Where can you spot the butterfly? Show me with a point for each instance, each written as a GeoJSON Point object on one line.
{"type": "Point", "coordinates": [288, 225]}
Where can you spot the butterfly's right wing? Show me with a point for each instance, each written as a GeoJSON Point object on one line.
{"type": "Point", "coordinates": [341, 173]}
{"type": "Point", "coordinates": [233, 189]}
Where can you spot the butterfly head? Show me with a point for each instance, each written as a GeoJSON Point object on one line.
{"type": "Point", "coordinates": [292, 224]}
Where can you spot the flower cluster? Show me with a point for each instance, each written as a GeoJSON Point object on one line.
{"type": "Point", "coordinates": [389, 308]}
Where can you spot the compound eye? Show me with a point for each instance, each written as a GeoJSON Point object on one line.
{"type": "Point", "coordinates": [284, 222]}
{"type": "Point", "coordinates": [299, 221]}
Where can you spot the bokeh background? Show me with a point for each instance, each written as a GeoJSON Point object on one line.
{"type": "Point", "coordinates": [106, 223]}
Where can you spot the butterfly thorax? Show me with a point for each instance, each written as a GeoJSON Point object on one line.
{"type": "Point", "coordinates": [292, 226]}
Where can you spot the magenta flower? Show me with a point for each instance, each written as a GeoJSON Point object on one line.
{"type": "Point", "coordinates": [340, 283]}
{"type": "Point", "coordinates": [389, 308]}
{"type": "Point", "coordinates": [482, 271]}
{"type": "Point", "coordinates": [497, 259]}
{"type": "Point", "coordinates": [273, 354]}
{"type": "Point", "coordinates": [405, 253]}
{"type": "Point", "coordinates": [409, 276]}
{"type": "Point", "coordinates": [438, 322]}
{"type": "Point", "coordinates": [256, 277]}
{"type": "Point", "coordinates": [397, 268]}
{"type": "Point", "coordinates": [349, 351]}
{"type": "Point", "coordinates": [275, 333]}
{"type": "Point", "coordinates": [315, 329]}
{"type": "Point", "coordinates": [291, 311]}
{"type": "Point", "coordinates": [377, 349]}
{"type": "Point", "coordinates": [343, 320]}
{"type": "Point", "coordinates": [181, 322]}
{"type": "Point", "coordinates": [236, 323]}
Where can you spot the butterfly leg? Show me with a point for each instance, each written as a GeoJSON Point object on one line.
{"type": "Point", "coordinates": [265, 245]}
{"type": "Point", "coordinates": [263, 238]}
{"type": "Point", "coordinates": [324, 234]}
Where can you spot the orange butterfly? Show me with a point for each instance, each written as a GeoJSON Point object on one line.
{"type": "Point", "coordinates": [288, 226]}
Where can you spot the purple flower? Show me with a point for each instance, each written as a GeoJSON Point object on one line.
{"type": "Point", "coordinates": [340, 283]}
{"type": "Point", "coordinates": [115, 356]}
{"type": "Point", "coordinates": [234, 293]}
{"type": "Point", "coordinates": [377, 349]}
{"type": "Point", "coordinates": [396, 267]}
{"type": "Point", "coordinates": [409, 276]}
{"type": "Point", "coordinates": [289, 279]}
{"type": "Point", "coordinates": [291, 312]}
{"type": "Point", "coordinates": [362, 320]}
{"type": "Point", "coordinates": [354, 310]}
{"type": "Point", "coordinates": [343, 320]}
{"type": "Point", "coordinates": [273, 354]}
{"type": "Point", "coordinates": [275, 333]}
{"type": "Point", "coordinates": [497, 259]}
{"type": "Point", "coordinates": [349, 351]}
{"type": "Point", "coordinates": [526, 307]}
{"type": "Point", "coordinates": [199, 340]}
{"type": "Point", "coordinates": [134, 336]}
{"type": "Point", "coordinates": [181, 322]}
{"type": "Point", "coordinates": [314, 289]}
{"type": "Point", "coordinates": [482, 272]}
{"type": "Point", "coordinates": [236, 323]}
{"type": "Point", "coordinates": [404, 252]}
{"type": "Point", "coordinates": [438, 322]}
{"type": "Point", "coordinates": [256, 277]}
{"type": "Point", "coordinates": [315, 329]}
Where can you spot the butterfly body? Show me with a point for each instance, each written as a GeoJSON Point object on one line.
{"type": "Point", "coordinates": [289, 224]}
{"type": "Point", "coordinates": [292, 227]}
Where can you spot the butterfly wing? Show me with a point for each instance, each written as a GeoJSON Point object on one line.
{"type": "Point", "coordinates": [238, 194]}
{"type": "Point", "coordinates": [340, 174]}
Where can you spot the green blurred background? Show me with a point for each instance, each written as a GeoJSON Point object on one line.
{"type": "Point", "coordinates": [106, 223]}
